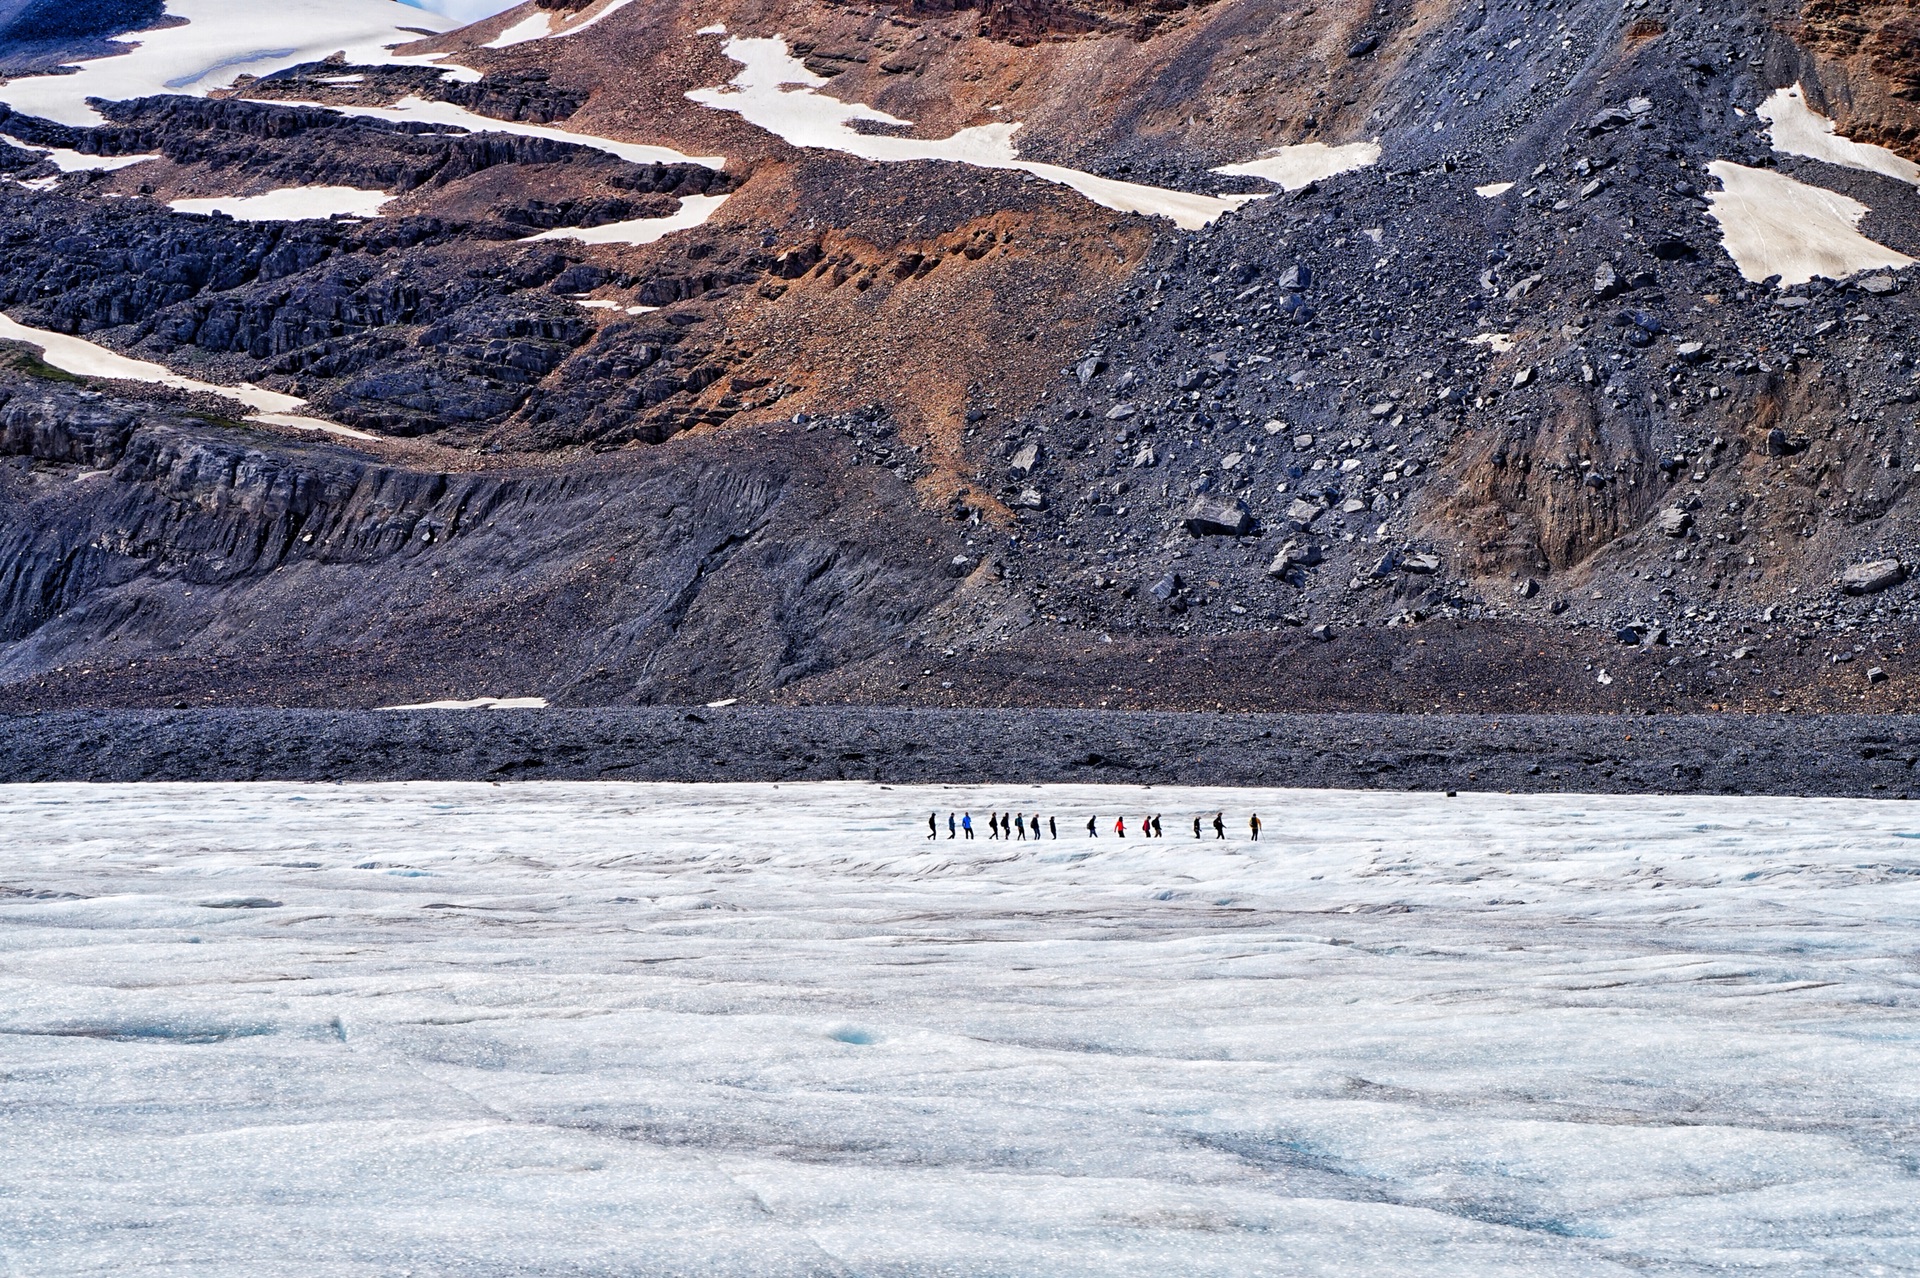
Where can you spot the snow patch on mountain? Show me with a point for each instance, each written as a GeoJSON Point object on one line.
{"type": "Point", "coordinates": [694, 211]}
{"type": "Point", "coordinates": [219, 41]}
{"type": "Point", "coordinates": [1772, 225]}
{"type": "Point", "coordinates": [549, 25]}
{"type": "Point", "coordinates": [289, 204]}
{"type": "Point", "coordinates": [1797, 129]}
{"type": "Point", "coordinates": [1293, 167]}
{"type": "Point", "coordinates": [70, 161]}
{"type": "Point", "coordinates": [775, 91]}
{"type": "Point", "coordinates": [88, 359]}
{"type": "Point", "coordinates": [419, 110]}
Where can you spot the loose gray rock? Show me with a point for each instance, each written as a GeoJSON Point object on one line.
{"type": "Point", "coordinates": [1303, 512]}
{"type": "Point", "coordinates": [1673, 522]}
{"type": "Point", "coordinates": [1872, 577]}
{"type": "Point", "coordinates": [1024, 461]}
{"type": "Point", "coordinates": [1425, 563]}
{"type": "Point", "coordinates": [1294, 554]}
{"type": "Point", "coordinates": [1218, 517]}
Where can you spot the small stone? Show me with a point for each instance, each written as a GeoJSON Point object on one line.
{"type": "Point", "coordinates": [1425, 563]}
{"type": "Point", "coordinates": [1120, 412]}
{"type": "Point", "coordinates": [1352, 506]}
{"type": "Point", "coordinates": [1024, 460]}
{"type": "Point", "coordinates": [1386, 565]}
{"type": "Point", "coordinates": [1145, 458]}
{"type": "Point", "coordinates": [1527, 589]}
{"type": "Point", "coordinates": [1321, 633]}
{"type": "Point", "coordinates": [1166, 588]}
{"type": "Point", "coordinates": [1691, 352]}
{"type": "Point", "coordinates": [1296, 278]}
{"type": "Point", "coordinates": [1606, 281]}
{"type": "Point", "coordinates": [1878, 285]}
{"type": "Point", "coordinates": [1088, 369]}
{"type": "Point", "coordinates": [1303, 512]}
{"type": "Point", "coordinates": [1777, 443]}
{"type": "Point", "coordinates": [1032, 499]}
{"type": "Point", "coordinates": [1274, 428]}
{"type": "Point", "coordinates": [1293, 554]}
{"type": "Point", "coordinates": [1303, 441]}
{"type": "Point", "coordinates": [1523, 377]}
{"type": "Point", "coordinates": [1876, 675]}
{"type": "Point", "coordinates": [1873, 577]}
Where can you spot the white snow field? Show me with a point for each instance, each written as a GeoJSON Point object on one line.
{"type": "Point", "coordinates": [1292, 167]}
{"type": "Point", "coordinates": [546, 24]}
{"type": "Point", "coordinates": [1797, 129]}
{"type": "Point", "coordinates": [82, 358]}
{"type": "Point", "coordinates": [290, 204]}
{"type": "Point", "coordinates": [222, 39]}
{"type": "Point", "coordinates": [1773, 225]}
{"type": "Point", "coordinates": [694, 211]}
{"type": "Point", "coordinates": [770, 1030]}
{"type": "Point", "coordinates": [775, 91]}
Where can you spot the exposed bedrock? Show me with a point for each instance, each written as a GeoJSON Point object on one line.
{"type": "Point", "coordinates": [144, 536]}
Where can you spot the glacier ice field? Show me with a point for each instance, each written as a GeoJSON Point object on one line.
{"type": "Point", "coordinates": [573, 1029]}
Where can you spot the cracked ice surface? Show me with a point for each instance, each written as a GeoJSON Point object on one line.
{"type": "Point", "coordinates": [547, 1028]}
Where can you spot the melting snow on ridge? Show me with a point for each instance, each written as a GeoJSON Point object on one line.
{"type": "Point", "coordinates": [773, 1030]}
{"type": "Point", "coordinates": [1773, 225]}
{"type": "Point", "coordinates": [290, 204]}
{"type": "Point", "coordinates": [421, 111]}
{"type": "Point", "coordinates": [220, 40]}
{"type": "Point", "coordinates": [548, 25]}
{"type": "Point", "coordinates": [70, 161]}
{"type": "Point", "coordinates": [775, 91]}
{"type": "Point", "coordinates": [1292, 167]}
{"type": "Point", "coordinates": [1796, 129]}
{"type": "Point", "coordinates": [694, 211]}
{"type": "Point", "coordinates": [87, 359]}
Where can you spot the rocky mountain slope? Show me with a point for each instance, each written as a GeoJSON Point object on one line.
{"type": "Point", "coordinates": [1437, 355]}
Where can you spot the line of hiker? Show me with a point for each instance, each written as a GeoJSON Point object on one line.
{"type": "Point", "coordinates": [1023, 827]}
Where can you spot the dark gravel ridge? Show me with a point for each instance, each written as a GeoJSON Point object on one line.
{"type": "Point", "coordinates": [1827, 755]}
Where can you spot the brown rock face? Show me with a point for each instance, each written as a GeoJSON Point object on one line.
{"type": "Point", "coordinates": [1873, 56]}
{"type": "Point", "coordinates": [1027, 21]}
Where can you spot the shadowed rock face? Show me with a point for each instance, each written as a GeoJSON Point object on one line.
{"type": "Point", "coordinates": [868, 413]}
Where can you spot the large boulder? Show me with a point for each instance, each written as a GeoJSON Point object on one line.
{"type": "Point", "coordinates": [1872, 577]}
{"type": "Point", "coordinates": [1219, 517]}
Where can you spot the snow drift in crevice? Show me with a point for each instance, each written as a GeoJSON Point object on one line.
{"type": "Point", "coordinates": [289, 204]}
{"type": "Point", "coordinates": [547, 24]}
{"type": "Point", "coordinates": [420, 111]}
{"type": "Point", "coordinates": [775, 91]}
{"type": "Point", "coordinates": [1772, 225]}
{"type": "Point", "coordinates": [87, 359]}
{"type": "Point", "coordinates": [694, 211]}
{"type": "Point", "coordinates": [1796, 129]}
{"type": "Point", "coordinates": [220, 40]}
